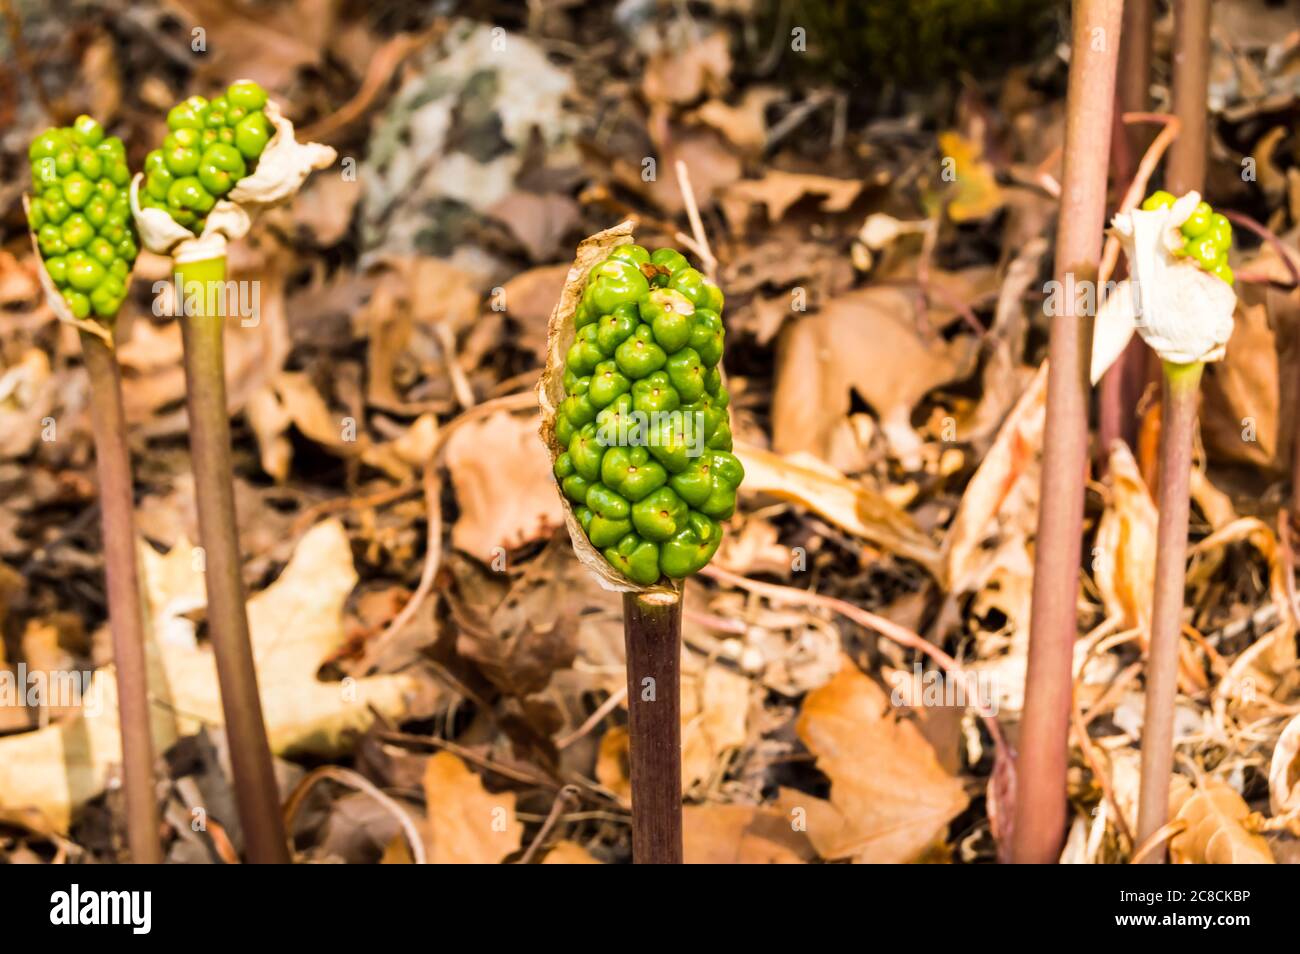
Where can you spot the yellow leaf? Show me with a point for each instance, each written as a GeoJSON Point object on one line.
{"type": "Point", "coordinates": [976, 194]}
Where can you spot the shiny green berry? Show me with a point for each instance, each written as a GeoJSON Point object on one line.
{"type": "Point", "coordinates": [1198, 223]}
{"type": "Point", "coordinates": [651, 473]}
{"type": "Point", "coordinates": [1159, 199]}
{"type": "Point", "coordinates": [251, 135]}
{"type": "Point", "coordinates": [220, 168]}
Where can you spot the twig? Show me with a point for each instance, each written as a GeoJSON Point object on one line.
{"type": "Point", "coordinates": [558, 807]}
{"type": "Point", "coordinates": [605, 708]}
{"type": "Point", "coordinates": [697, 224]}
{"type": "Point", "coordinates": [357, 782]}
{"type": "Point", "coordinates": [1267, 234]}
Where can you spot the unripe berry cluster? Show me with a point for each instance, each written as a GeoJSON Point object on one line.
{"type": "Point", "coordinates": [80, 213]}
{"type": "Point", "coordinates": [1207, 235]}
{"type": "Point", "coordinates": [648, 462]}
{"type": "Point", "coordinates": [210, 147]}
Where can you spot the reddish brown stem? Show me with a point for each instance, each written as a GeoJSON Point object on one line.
{"type": "Point", "coordinates": [1039, 824]}
{"type": "Point", "coordinates": [256, 792]}
{"type": "Point", "coordinates": [125, 614]}
{"type": "Point", "coordinates": [1181, 383]}
{"type": "Point", "coordinates": [1187, 156]}
{"type": "Point", "coordinates": [652, 628]}
{"type": "Point", "coordinates": [1122, 385]}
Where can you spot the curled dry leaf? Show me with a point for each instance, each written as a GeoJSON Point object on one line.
{"type": "Point", "coordinates": [848, 504]}
{"type": "Point", "coordinates": [503, 484]}
{"type": "Point", "coordinates": [1124, 561]}
{"type": "Point", "coordinates": [868, 342]}
{"type": "Point", "coordinates": [778, 191]}
{"type": "Point", "coordinates": [1284, 772]}
{"type": "Point", "coordinates": [550, 390]}
{"type": "Point", "coordinates": [1218, 828]}
{"type": "Point", "coordinates": [890, 797]}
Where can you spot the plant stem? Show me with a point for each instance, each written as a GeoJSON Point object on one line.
{"type": "Point", "coordinates": [1181, 384]}
{"type": "Point", "coordinates": [652, 628]}
{"type": "Point", "coordinates": [1191, 80]}
{"type": "Point", "coordinates": [256, 792]}
{"type": "Point", "coordinates": [1124, 382]}
{"type": "Point", "coordinates": [125, 613]}
{"type": "Point", "coordinates": [1039, 819]}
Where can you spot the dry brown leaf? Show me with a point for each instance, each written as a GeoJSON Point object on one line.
{"type": "Point", "coordinates": [976, 194]}
{"type": "Point", "coordinates": [1284, 772]}
{"type": "Point", "coordinates": [27, 393]}
{"type": "Point", "coordinates": [848, 504]}
{"type": "Point", "coordinates": [715, 834]}
{"type": "Point", "coordinates": [710, 161]}
{"type": "Point", "coordinates": [714, 710]}
{"type": "Point", "coordinates": [539, 222]}
{"type": "Point", "coordinates": [1002, 496]}
{"type": "Point", "coordinates": [528, 298]}
{"type": "Point", "coordinates": [868, 342]}
{"type": "Point", "coordinates": [890, 798]}
{"type": "Point", "coordinates": [1216, 834]}
{"type": "Point", "coordinates": [1124, 555]}
{"type": "Point", "coordinates": [295, 624]}
{"type": "Point", "coordinates": [678, 74]}
{"type": "Point", "coordinates": [323, 209]}
{"type": "Point", "coordinates": [504, 486]}
{"type": "Point", "coordinates": [744, 125]}
{"type": "Point", "coordinates": [777, 191]}
{"type": "Point", "coordinates": [1239, 415]}
{"type": "Point", "coordinates": [468, 825]}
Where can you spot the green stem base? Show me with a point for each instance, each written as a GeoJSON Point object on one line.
{"type": "Point", "coordinates": [256, 792]}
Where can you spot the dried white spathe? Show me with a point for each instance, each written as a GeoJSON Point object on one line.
{"type": "Point", "coordinates": [281, 170]}
{"type": "Point", "coordinates": [1181, 311]}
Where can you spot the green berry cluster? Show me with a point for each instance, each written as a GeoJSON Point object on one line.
{"type": "Point", "coordinates": [211, 146]}
{"type": "Point", "coordinates": [648, 463]}
{"type": "Point", "coordinates": [80, 213]}
{"type": "Point", "coordinates": [1207, 234]}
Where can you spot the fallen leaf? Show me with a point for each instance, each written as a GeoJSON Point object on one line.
{"type": "Point", "coordinates": [468, 825]}
{"type": "Point", "coordinates": [867, 342]}
{"type": "Point", "coordinates": [745, 124]}
{"type": "Point", "coordinates": [1284, 772]}
{"type": "Point", "coordinates": [504, 485]}
{"type": "Point", "coordinates": [890, 798]}
{"type": "Point", "coordinates": [569, 853]}
{"type": "Point", "coordinates": [975, 194]}
{"type": "Point", "coordinates": [1216, 834]}
{"type": "Point", "coordinates": [682, 73]}
{"type": "Point", "coordinates": [295, 624]}
{"type": "Point", "coordinates": [1124, 554]}
{"type": "Point", "coordinates": [848, 504]}
{"type": "Point", "coordinates": [777, 191]}
{"type": "Point", "coordinates": [716, 834]}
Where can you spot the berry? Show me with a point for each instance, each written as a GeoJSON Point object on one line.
{"type": "Point", "coordinates": [643, 424]}
{"type": "Point", "coordinates": [211, 146]}
{"type": "Point", "coordinates": [1207, 235]}
{"type": "Point", "coordinates": [81, 216]}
